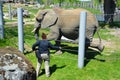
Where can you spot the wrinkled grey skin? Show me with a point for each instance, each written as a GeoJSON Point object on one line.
{"type": "Point", "coordinates": [66, 23]}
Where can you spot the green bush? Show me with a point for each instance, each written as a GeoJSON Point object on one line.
{"type": "Point", "coordinates": [118, 3]}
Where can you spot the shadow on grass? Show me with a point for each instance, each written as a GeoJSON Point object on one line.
{"type": "Point", "coordinates": [115, 24]}
{"type": "Point", "coordinates": [89, 54]}
{"type": "Point", "coordinates": [69, 49]}
{"type": "Point", "coordinates": [52, 69]}
{"type": "Point", "coordinates": [11, 32]}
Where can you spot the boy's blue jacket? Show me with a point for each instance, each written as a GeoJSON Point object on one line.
{"type": "Point", "coordinates": [43, 46]}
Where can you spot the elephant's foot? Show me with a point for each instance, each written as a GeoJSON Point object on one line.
{"type": "Point", "coordinates": [59, 52]}
{"type": "Point", "coordinates": [100, 47]}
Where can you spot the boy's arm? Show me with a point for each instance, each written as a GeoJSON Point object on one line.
{"type": "Point", "coordinates": [54, 47]}
{"type": "Point", "coordinates": [34, 45]}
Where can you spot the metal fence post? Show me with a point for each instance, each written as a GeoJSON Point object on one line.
{"type": "Point", "coordinates": [20, 29]}
{"type": "Point", "coordinates": [10, 13]}
{"type": "Point", "coordinates": [1, 21]}
{"type": "Point", "coordinates": [81, 50]}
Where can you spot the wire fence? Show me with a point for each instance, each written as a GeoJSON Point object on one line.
{"type": "Point", "coordinates": [31, 36]}
{"type": "Point", "coordinates": [116, 17]}
{"type": "Point", "coordinates": [100, 17]}
{"type": "Point", "coordinates": [11, 34]}
{"type": "Point", "coordinates": [65, 48]}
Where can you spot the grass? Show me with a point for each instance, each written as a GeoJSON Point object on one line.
{"type": "Point", "coordinates": [64, 67]}
{"type": "Point", "coordinates": [98, 66]}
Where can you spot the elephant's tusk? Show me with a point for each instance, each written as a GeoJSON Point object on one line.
{"type": "Point", "coordinates": [34, 30]}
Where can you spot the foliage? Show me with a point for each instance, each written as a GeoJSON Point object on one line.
{"type": "Point", "coordinates": [58, 1]}
{"type": "Point", "coordinates": [118, 3]}
{"type": "Point", "coordinates": [96, 2]}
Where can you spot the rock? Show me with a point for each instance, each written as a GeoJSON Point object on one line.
{"type": "Point", "coordinates": [26, 13]}
{"type": "Point", "coordinates": [15, 66]}
{"type": "Point", "coordinates": [14, 13]}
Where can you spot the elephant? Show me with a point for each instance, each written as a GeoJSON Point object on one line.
{"type": "Point", "coordinates": [65, 22]}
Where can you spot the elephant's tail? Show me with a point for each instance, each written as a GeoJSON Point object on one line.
{"type": "Point", "coordinates": [100, 46]}
{"type": "Point", "coordinates": [100, 41]}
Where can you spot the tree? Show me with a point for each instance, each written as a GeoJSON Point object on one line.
{"type": "Point", "coordinates": [109, 9]}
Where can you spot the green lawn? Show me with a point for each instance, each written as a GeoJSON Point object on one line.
{"type": "Point", "coordinates": [98, 66]}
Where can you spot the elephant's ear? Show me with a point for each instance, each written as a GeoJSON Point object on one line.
{"type": "Point", "coordinates": [57, 10]}
{"type": "Point", "coordinates": [49, 19]}
{"type": "Point", "coordinates": [40, 15]}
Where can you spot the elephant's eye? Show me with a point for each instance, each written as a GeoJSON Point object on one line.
{"type": "Point", "coordinates": [39, 20]}
{"type": "Point", "coordinates": [40, 24]}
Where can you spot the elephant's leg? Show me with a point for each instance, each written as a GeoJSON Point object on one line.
{"type": "Point", "coordinates": [55, 36]}
{"type": "Point", "coordinates": [58, 41]}
{"type": "Point", "coordinates": [58, 44]}
{"type": "Point", "coordinates": [54, 33]}
{"type": "Point", "coordinates": [52, 36]}
{"type": "Point", "coordinates": [89, 36]}
{"type": "Point", "coordinates": [99, 46]}
{"type": "Point", "coordinates": [89, 41]}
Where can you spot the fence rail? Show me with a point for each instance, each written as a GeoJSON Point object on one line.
{"type": "Point", "coordinates": [88, 4]}
{"type": "Point", "coordinates": [100, 17]}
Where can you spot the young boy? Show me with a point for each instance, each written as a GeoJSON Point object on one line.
{"type": "Point", "coordinates": [43, 53]}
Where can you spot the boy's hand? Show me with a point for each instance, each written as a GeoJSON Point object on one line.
{"type": "Point", "coordinates": [60, 48]}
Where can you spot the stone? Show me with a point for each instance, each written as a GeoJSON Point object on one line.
{"type": "Point", "coordinates": [14, 13]}
{"type": "Point", "coordinates": [15, 66]}
{"type": "Point", "coordinates": [26, 13]}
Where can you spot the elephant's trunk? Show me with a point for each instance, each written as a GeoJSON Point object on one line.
{"type": "Point", "coordinates": [36, 32]}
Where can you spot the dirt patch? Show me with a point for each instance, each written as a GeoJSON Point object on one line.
{"type": "Point", "coordinates": [105, 43]}
{"type": "Point", "coordinates": [115, 32]}
{"type": "Point", "coordinates": [108, 44]}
